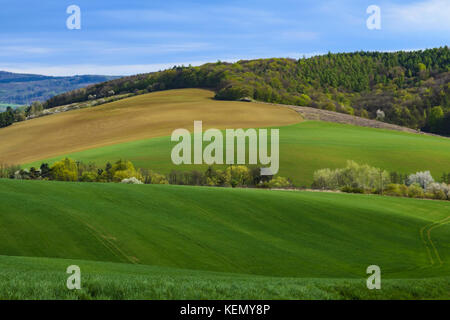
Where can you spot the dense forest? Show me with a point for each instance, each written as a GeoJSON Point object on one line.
{"type": "Point", "coordinates": [406, 88]}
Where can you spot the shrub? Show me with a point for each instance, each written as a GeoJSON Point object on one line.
{"type": "Point", "coordinates": [353, 176]}
{"type": "Point", "coordinates": [330, 106]}
{"type": "Point", "coordinates": [398, 190]}
{"type": "Point", "coordinates": [156, 178]}
{"type": "Point", "coordinates": [88, 177]}
{"type": "Point", "coordinates": [123, 169]}
{"type": "Point", "coordinates": [325, 179]}
{"type": "Point", "coordinates": [303, 100]}
{"type": "Point", "coordinates": [415, 191]}
{"type": "Point", "coordinates": [440, 191]}
{"type": "Point", "coordinates": [380, 115]}
{"type": "Point", "coordinates": [237, 176]}
{"type": "Point", "coordinates": [279, 182]}
{"type": "Point", "coordinates": [8, 171]}
{"type": "Point", "coordinates": [65, 170]}
{"type": "Point", "coordinates": [132, 180]}
{"type": "Point", "coordinates": [349, 189]}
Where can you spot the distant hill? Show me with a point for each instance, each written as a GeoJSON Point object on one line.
{"type": "Point", "coordinates": [21, 89]}
{"type": "Point", "coordinates": [407, 88]}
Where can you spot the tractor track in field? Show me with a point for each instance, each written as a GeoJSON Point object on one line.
{"type": "Point", "coordinates": [107, 241]}
{"type": "Point", "coordinates": [425, 235]}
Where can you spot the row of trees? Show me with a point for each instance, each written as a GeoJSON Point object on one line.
{"type": "Point", "coordinates": [402, 178]}
{"type": "Point", "coordinates": [357, 178]}
{"type": "Point", "coordinates": [232, 176]}
{"type": "Point", "coordinates": [354, 178]}
{"type": "Point", "coordinates": [124, 171]}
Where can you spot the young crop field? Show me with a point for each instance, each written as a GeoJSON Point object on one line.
{"type": "Point", "coordinates": [308, 236]}
{"type": "Point", "coordinates": [304, 148]}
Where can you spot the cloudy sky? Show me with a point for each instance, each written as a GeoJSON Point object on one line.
{"type": "Point", "coordinates": [135, 36]}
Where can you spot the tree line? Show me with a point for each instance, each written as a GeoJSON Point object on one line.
{"type": "Point", "coordinates": [124, 171]}
{"type": "Point", "coordinates": [357, 178]}
{"type": "Point", "coordinates": [354, 178]}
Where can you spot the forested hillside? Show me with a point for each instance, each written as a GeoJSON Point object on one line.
{"type": "Point", "coordinates": [21, 89]}
{"type": "Point", "coordinates": [405, 88]}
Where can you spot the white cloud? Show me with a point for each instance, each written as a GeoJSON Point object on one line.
{"type": "Point", "coordinates": [155, 49]}
{"type": "Point", "coordinates": [15, 50]}
{"type": "Point", "coordinates": [129, 69]}
{"type": "Point", "coordinates": [139, 16]}
{"type": "Point", "coordinates": [299, 35]}
{"type": "Point", "coordinates": [424, 15]}
{"type": "Point", "coordinates": [82, 69]}
{"type": "Point", "coordinates": [199, 15]}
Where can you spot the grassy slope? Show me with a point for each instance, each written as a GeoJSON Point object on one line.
{"type": "Point", "coordinates": [260, 232]}
{"type": "Point", "coordinates": [304, 148]}
{"type": "Point", "coordinates": [145, 116]}
{"type": "Point", "coordinates": [45, 278]}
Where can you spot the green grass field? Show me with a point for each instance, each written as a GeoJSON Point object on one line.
{"type": "Point", "coordinates": [304, 148]}
{"type": "Point", "coordinates": [264, 243]}
{"type": "Point", "coordinates": [45, 278]}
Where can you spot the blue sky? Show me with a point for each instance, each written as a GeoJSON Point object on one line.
{"type": "Point", "coordinates": [129, 37]}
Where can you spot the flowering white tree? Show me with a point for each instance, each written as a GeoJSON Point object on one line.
{"type": "Point", "coordinates": [132, 180]}
{"type": "Point", "coordinates": [439, 190]}
{"type": "Point", "coordinates": [423, 178]}
{"type": "Point", "coordinates": [380, 115]}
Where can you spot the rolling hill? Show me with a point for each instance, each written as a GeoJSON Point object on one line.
{"type": "Point", "coordinates": [410, 87]}
{"type": "Point", "coordinates": [140, 117]}
{"type": "Point", "coordinates": [172, 242]}
{"type": "Point", "coordinates": [138, 129]}
{"type": "Point", "coordinates": [298, 235]}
